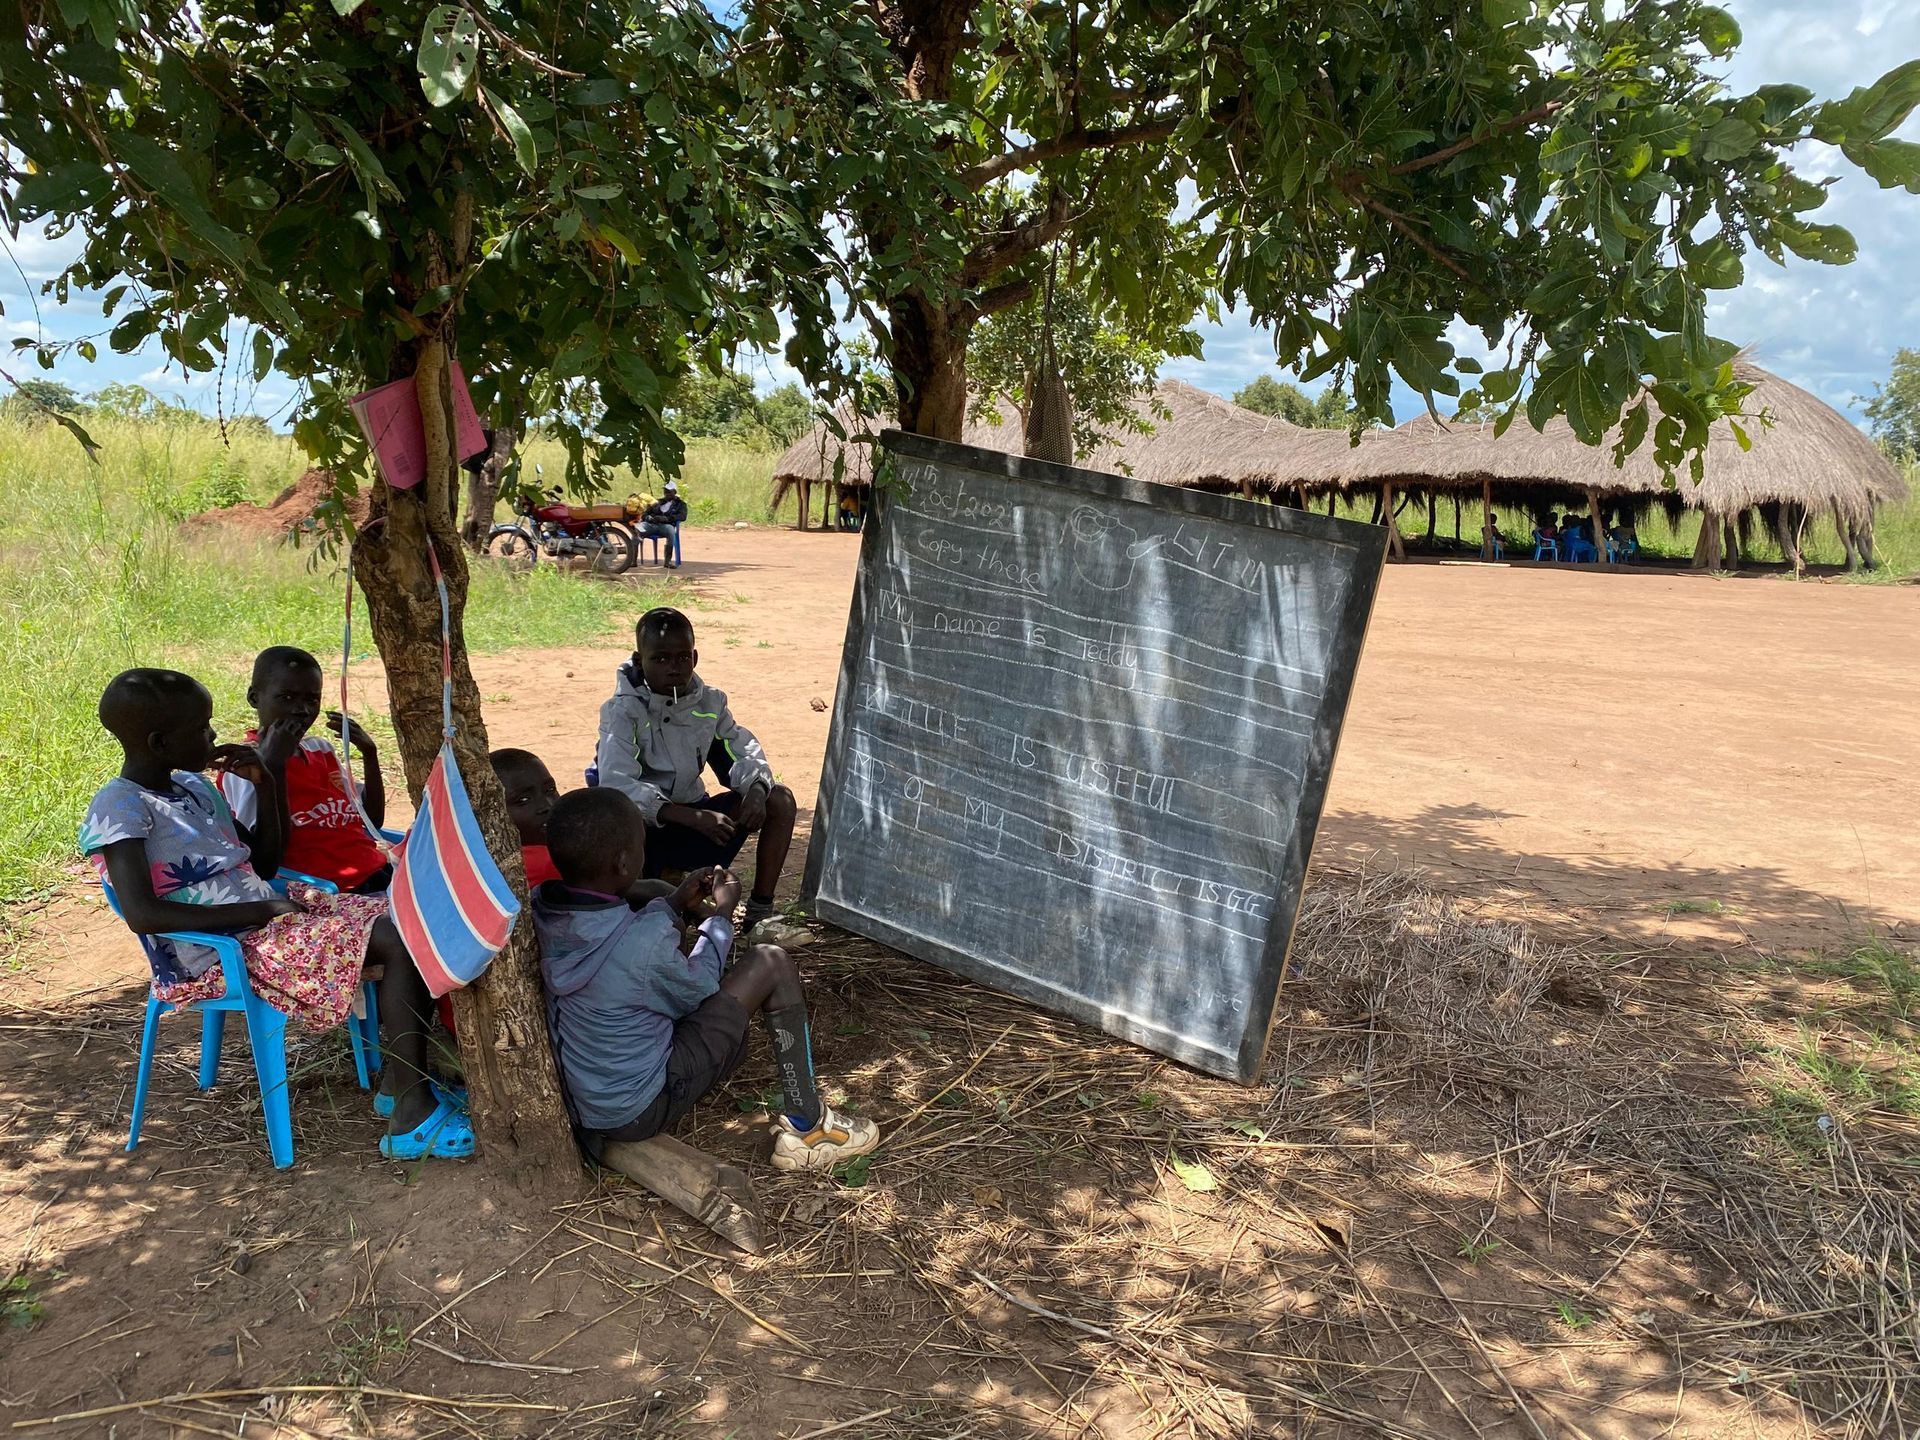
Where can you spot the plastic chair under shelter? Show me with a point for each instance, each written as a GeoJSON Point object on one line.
{"type": "Point", "coordinates": [266, 1030]}
{"type": "Point", "coordinates": [1545, 547]}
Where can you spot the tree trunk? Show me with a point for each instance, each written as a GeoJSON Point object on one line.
{"type": "Point", "coordinates": [929, 367]}
{"type": "Point", "coordinates": [511, 1079]}
{"type": "Point", "coordinates": [483, 489]}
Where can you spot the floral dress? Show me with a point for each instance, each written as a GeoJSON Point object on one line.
{"type": "Point", "coordinates": [306, 965]}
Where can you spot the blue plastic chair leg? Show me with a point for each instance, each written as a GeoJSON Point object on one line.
{"type": "Point", "coordinates": [370, 1027]}
{"type": "Point", "coordinates": [363, 1034]}
{"type": "Point", "coordinates": [213, 1029]}
{"type": "Point", "coordinates": [149, 1033]}
{"type": "Point", "coordinates": [267, 1033]}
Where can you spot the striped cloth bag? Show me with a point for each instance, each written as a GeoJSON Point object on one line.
{"type": "Point", "coordinates": [449, 901]}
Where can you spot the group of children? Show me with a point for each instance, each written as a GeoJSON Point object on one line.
{"type": "Point", "coordinates": [649, 998]}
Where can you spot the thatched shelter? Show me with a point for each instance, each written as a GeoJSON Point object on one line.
{"type": "Point", "coordinates": [1196, 439]}
{"type": "Point", "coordinates": [1810, 462]}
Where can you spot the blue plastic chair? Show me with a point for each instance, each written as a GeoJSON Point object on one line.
{"type": "Point", "coordinates": [1545, 547]}
{"type": "Point", "coordinates": [1619, 553]}
{"type": "Point", "coordinates": [673, 547]}
{"type": "Point", "coordinates": [1580, 550]}
{"type": "Point", "coordinates": [266, 1030]}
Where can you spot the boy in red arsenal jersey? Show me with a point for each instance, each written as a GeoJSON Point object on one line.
{"type": "Point", "coordinates": [325, 835]}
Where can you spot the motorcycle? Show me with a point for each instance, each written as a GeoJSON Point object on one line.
{"type": "Point", "coordinates": [602, 535]}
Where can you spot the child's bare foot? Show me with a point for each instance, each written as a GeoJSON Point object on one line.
{"type": "Point", "coordinates": [835, 1139]}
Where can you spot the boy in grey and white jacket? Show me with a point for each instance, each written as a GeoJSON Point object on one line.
{"type": "Point", "coordinates": [659, 734]}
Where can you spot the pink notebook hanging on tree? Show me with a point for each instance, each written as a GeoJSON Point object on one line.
{"type": "Point", "coordinates": [389, 416]}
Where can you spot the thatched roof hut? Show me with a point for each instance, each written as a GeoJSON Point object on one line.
{"type": "Point", "coordinates": [1196, 439]}
{"type": "Point", "coordinates": [1810, 462]}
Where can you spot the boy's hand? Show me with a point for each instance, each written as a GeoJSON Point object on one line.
{"type": "Point", "coordinates": [696, 886]}
{"type": "Point", "coordinates": [278, 742]}
{"type": "Point", "coordinates": [353, 734]}
{"type": "Point", "coordinates": [753, 807]}
{"type": "Point", "coordinates": [712, 825]}
{"type": "Point", "coordinates": [726, 892]}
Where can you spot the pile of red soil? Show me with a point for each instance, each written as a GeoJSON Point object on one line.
{"type": "Point", "coordinates": [292, 510]}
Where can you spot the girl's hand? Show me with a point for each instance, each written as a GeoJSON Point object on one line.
{"type": "Point", "coordinates": [352, 733]}
{"type": "Point", "coordinates": [241, 760]}
{"type": "Point", "coordinates": [280, 905]}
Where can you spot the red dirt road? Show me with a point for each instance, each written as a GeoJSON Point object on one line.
{"type": "Point", "coordinates": [1609, 746]}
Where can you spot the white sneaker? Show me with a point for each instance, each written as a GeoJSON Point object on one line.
{"type": "Point", "coordinates": [836, 1138]}
{"type": "Point", "coordinates": [775, 931]}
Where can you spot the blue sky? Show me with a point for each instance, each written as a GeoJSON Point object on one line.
{"type": "Point", "coordinates": [1831, 330]}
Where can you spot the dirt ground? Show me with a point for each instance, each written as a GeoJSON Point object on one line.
{"type": "Point", "coordinates": [1536, 1154]}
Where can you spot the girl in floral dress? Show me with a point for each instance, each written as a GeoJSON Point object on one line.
{"type": "Point", "coordinates": [162, 836]}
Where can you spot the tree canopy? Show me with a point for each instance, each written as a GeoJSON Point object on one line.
{"type": "Point", "coordinates": [1893, 410]}
{"type": "Point", "coordinates": [1570, 179]}
{"type": "Point", "coordinates": [1329, 410]}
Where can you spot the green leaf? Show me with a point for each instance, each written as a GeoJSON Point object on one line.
{"type": "Point", "coordinates": [598, 192]}
{"type": "Point", "coordinates": [1506, 12]}
{"type": "Point", "coordinates": [262, 355]}
{"type": "Point", "coordinates": [629, 251]}
{"type": "Point", "coordinates": [366, 165]}
{"type": "Point", "coordinates": [1633, 428]}
{"type": "Point", "coordinates": [1892, 163]}
{"type": "Point", "coordinates": [449, 53]}
{"type": "Point", "coordinates": [1639, 156]}
{"type": "Point", "coordinates": [517, 130]}
{"type": "Point", "coordinates": [347, 7]}
{"type": "Point", "coordinates": [1193, 1174]}
{"type": "Point", "coordinates": [1729, 140]}
{"type": "Point", "coordinates": [1716, 265]}
{"type": "Point", "coordinates": [660, 111]}
{"type": "Point", "coordinates": [1739, 434]}
{"type": "Point", "coordinates": [1718, 30]}
{"type": "Point", "coordinates": [252, 192]}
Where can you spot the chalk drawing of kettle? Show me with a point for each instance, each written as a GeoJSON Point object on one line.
{"type": "Point", "coordinates": [1104, 549]}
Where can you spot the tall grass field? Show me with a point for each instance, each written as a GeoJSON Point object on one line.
{"type": "Point", "coordinates": [95, 577]}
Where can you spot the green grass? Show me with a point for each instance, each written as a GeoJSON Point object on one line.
{"type": "Point", "coordinates": [1881, 965]}
{"type": "Point", "coordinates": [94, 578]}
{"type": "Point", "coordinates": [1821, 1078]}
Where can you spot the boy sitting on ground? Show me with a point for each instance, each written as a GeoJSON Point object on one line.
{"type": "Point", "coordinates": [658, 734]}
{"type": "Point", "coordinates": [642, 1030]}
{"type": "Point", "coordinates": [325, 834]}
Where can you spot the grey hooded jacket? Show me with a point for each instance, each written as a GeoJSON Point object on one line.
{"type": "Point", "coordinates": [654, 748]}
{"type": "Point", "coordinates": [616, 982]}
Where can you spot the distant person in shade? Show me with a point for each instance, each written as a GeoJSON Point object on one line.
{"type": "Point", "coordinates": [662, 519]}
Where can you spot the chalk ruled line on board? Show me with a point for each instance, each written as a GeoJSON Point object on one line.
{"type": "Point", "coordinates": [978, 583]}
{"type": "Point", "coordinates": [1057, 869]}
{"type": "Point", "coordinates": [890, 603]}
{"type": "Point", "coordinates": [1135, 550]}
{"type": "Point", "coordinates": [1240, 753]}
{"type": "Point", "coordinates": [1263, 871]}
{"type": "Point", "coordinates": [1304, 732]}
{"type": "Point", "coordinates": [1016, 772]}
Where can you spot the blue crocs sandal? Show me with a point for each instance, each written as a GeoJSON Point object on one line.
{"type": "Point", "coordinates": [443, 1135]}
{"type": "Point", "coordinates": [454, 1097]}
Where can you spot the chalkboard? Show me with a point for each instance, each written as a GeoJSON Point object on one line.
{"type": "Point", "coordinates": [1082, 739]}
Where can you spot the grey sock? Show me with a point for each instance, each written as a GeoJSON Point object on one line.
{"type": "Point", "coordinates": [758, 910]}
{"type": "Point", "coordinates": [793, 1062]}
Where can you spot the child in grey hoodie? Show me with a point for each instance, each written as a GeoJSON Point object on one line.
{"type": "Point", "coordinates": [658, 734]}
{"type": "Point", "coordinates": [642, 1027]}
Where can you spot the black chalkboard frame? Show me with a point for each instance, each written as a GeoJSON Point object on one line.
{"type": "Point", "coordinates": [1369, 545]}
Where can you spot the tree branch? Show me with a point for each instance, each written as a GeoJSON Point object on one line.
{"type": "Point", "coordinates": [991, 256]}
{"type": "Point", "coordinates": [1466, 143]}
{"type": "Point", "coordinates": [1350, 187]}
{"type": "Point", "coordinates": [1073, 142]}
{"type": "Point", "coordinates": [999, 297]}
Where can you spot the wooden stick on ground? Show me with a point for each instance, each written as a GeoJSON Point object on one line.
{"type": "Point", "coordinates": [718, 1195]}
